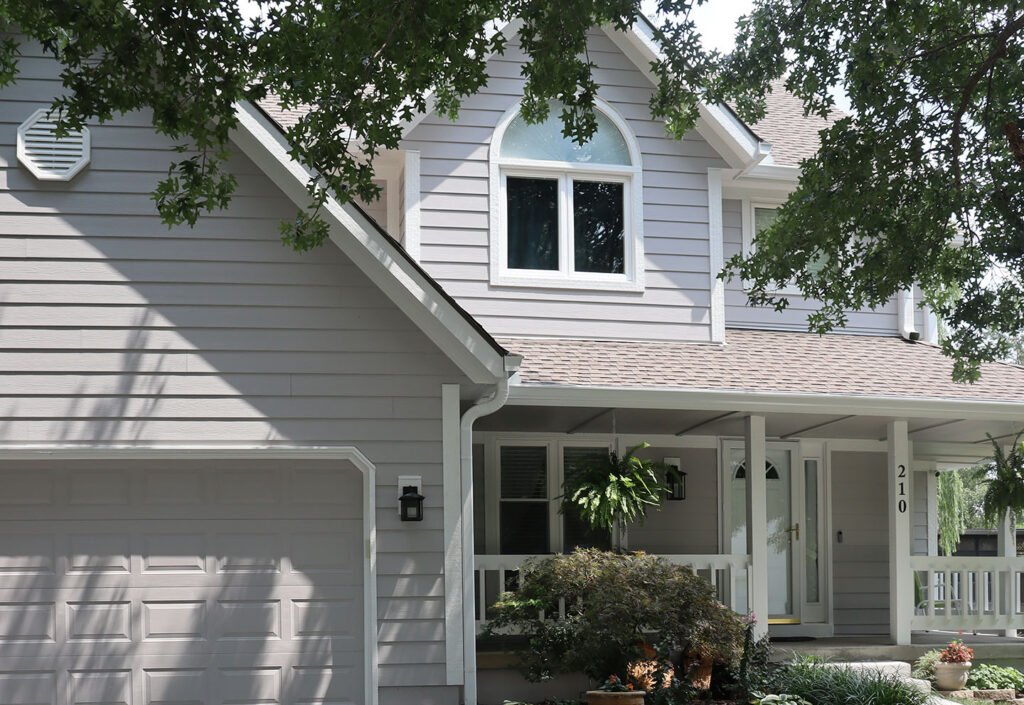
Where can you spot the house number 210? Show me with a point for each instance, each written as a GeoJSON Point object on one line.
{"type": "Point", "coordinates": [902, 504]}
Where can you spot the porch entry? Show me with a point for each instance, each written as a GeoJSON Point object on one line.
{"type": "Point", "coordinates": [795, 500]}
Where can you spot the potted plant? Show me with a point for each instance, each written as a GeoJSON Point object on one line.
{"type": "Point", "coordinates": [953, 666]}
{"type": "Point", "coordinates": [616, 692]}
{"type": "Point", "coordinates": [609, 493]}
{"type": "Point", "coordinates": [616, 606]}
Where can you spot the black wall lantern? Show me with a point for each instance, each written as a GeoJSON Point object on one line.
{"type": "Point", "coordinates": [410, 502]}
{"type": "Point", "coordinates": [675, 479]}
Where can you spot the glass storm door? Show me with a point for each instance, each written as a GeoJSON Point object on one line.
{"type": "Point", "coordinates": [784, 489]}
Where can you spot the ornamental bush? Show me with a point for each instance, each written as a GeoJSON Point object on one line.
{"type": "Point", "coordinates": [924, 667]}
{"type": "Point", "coordinates": [988, 677]}
{"type": "Point", "coordinates": [615, 604]}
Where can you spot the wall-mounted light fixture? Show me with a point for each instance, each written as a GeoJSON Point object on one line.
{"type": "Point", "coordinates": [410, 501]}
{"type": "Point", "coordinates": [675, 479]}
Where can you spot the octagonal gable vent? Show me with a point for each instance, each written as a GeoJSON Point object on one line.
{"type": "Point", "coordinates": [48, 157]}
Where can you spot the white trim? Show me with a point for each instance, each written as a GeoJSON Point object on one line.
{"type": "Point", "coordinates": [761, 402]}
{"type": "Point", "coordinates": [349, 454]}
{"type": "Point", "coordinates": [411, 240]}
{"type": "Point", "coordinates": [452, 473]}
{"type": "Point", "coordinates": [717, 256]}
{"type": "Point", "coordinates": [899, 455]}
{"type": "Point", "coordinates": [905, 312]}
{"type": "Point", "coordinates": [376, 255]}
{"type": "Point", "coordinates": [749, 206]}
{"type": "Point", "coordinates": [632, 280]}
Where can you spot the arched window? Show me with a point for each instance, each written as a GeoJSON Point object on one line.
{"type": "Point", "coordinates": [564, 214]}
{"type": "Point", "coordinates": [770, 471]}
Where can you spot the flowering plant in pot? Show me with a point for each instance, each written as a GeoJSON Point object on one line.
{"type": "Point", "coordinates": [615, 691]}
{"type": "Point", "coordinates": [953, 666]}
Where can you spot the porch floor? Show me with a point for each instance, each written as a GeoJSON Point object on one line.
{"type": "Point", "coordinates": [987, 647]}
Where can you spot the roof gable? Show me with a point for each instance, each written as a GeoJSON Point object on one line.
{"type": "Point", "coordinates": [377, 254]}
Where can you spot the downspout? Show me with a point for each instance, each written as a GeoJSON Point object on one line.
{"type": "Point", "coordinates": [487, 405]}
{"type": "Point", "coordinates": [905, 311]}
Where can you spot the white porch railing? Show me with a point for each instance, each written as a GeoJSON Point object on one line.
{"type": "Point", "coordinates": [496, 574]}
{"type": "Point", "coordinates": [966, 593]}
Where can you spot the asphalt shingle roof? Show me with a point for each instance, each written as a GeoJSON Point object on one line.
{"type": "Point", "coordinates": [792, 135]}
{"type": "Point", "coordinates": [765, 361]}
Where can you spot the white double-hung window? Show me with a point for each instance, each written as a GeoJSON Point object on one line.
{"type": "Point", "coordinates": [566, 215]}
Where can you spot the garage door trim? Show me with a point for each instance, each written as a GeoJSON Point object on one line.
{"type": "Point", "coordinates": [351, 454]}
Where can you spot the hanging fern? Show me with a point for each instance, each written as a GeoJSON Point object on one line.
{"type": "Point", "coordinates": [1004, 483]}
{"type": "Point", "coordinates": [953, 510]}
{"type": "Point", "coordinates": [615, 490]}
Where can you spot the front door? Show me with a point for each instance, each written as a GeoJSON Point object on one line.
{"type": "Point", "coordinates": [793, 507]}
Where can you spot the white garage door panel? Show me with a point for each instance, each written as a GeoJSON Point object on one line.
{"type": "Point", "coordinates": [181, 583]}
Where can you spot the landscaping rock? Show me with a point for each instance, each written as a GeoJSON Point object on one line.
{"type": "Point", "coordinates": [1008, 695]}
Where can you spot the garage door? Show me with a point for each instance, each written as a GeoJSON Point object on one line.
{"type": "Point", "coordinates": [180, 583]}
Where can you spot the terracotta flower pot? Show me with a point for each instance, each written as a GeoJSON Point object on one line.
{"type": "Point", "coordinates": [700, 670]}
{"type": "Point", "coordinates": [600, 697]}
{"type": "Point", "coordinates": [951, 676]}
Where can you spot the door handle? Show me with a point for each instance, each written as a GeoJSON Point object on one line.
{"type": "Point", "coordinates": [795, 528]}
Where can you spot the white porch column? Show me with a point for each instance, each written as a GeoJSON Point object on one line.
{"type": "Point", "coordinates": [901, 583]}
{"type": "Point", "coordinates": [1007, 547]}
{"type": "Point", "coordinates": [757, 522]}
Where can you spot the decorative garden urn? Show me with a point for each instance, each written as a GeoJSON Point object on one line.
{"type": "Point", "coordinates": [951, 676]}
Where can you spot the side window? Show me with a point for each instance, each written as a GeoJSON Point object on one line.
{"type": "Point", "coordinates": [757, 218]}
{"type": "Point", "coordinates": [567, 215]}
{"type": "Point", "coordinates": [524, 500]}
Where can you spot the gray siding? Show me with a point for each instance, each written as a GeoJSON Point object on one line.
{"type": "Point", "coordinates": [689, 526]}
{"type": "Point", "coordinates": [738, 314]}
{"type": "Point", "coordinates": [861, 561]}
{"type": "Point", "coordinates": [115, 329]}
{"type": "Point", "coordinates": [455, 212]}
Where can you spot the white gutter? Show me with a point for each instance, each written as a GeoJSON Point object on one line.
{"type": "Point", "coordinates": [487, 405]}
{"type": "Point", "coordinates": [762, 152]}
{"type": "Point", "coordinates": [905, 312]}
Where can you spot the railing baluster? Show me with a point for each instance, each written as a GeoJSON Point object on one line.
{"type": "Point", "coordinates": [931, 592]}
{"type": "Point", "coordinates": [481, 595]}
{"type": "Point", "coordinates": [963, 592]}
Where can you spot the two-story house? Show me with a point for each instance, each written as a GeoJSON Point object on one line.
{"type": "Point", "coordinates": [204, 436]}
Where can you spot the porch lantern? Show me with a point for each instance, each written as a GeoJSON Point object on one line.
{"type": "Point", "coordinates": [411, 504]}
{"type": "Point", "coordinates": [675, 478]}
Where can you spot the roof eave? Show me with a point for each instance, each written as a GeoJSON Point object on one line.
{"type": "Point", "coordinates": [753, 401]}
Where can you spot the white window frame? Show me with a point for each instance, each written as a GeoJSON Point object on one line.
{"type": "Point", "coordinates": [749, 205]}
{"type": "Point", "coordinates": [565, 277]}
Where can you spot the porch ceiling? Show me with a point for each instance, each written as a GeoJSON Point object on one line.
{"type": "Point", "coordinates": [631, 421]}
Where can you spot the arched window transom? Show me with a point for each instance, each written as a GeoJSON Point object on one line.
{"type": "Point", "coordinates": [564, 214]}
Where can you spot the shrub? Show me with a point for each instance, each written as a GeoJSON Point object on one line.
{"type": "Point", "coordinates": [752, 674]}
{"type": "Point", "coordinates": [924, 667]}
{"type": "Point", "coordinates": [615, 603]}
{"type": "Point", "coordinates": [988, 677]}
{"type": "Point", "coordinates": [822, 684]}
{"type": "Point", "coordinates": [784, 699]}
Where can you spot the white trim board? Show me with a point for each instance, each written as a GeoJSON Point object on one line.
{"type": "Point", "coordinates": [349, 454]}
{"type": "Point", "coordinates": [400, 280]}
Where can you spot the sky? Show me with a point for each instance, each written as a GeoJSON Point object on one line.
{"type": "Point", "coordinates": [715, 20]}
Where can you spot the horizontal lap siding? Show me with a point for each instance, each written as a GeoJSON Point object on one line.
{"type": "Point", "coordinates": [861, 563]}
{"type": "Point", "coordinates": [115, 329]}
{"type": "Point", "coordinates": [739, 314]}
{"type": "Point", "coordinates": [454, 212]}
